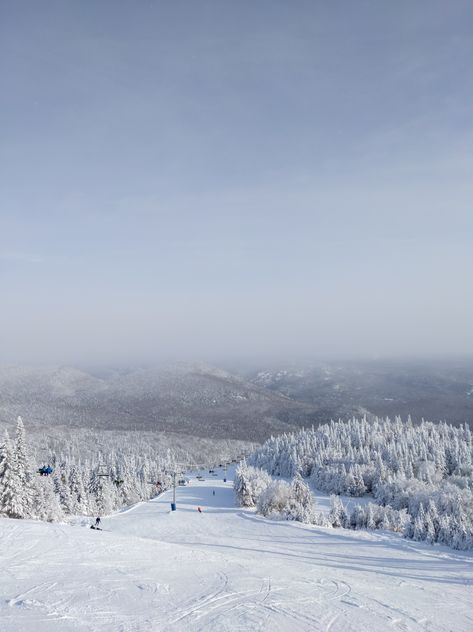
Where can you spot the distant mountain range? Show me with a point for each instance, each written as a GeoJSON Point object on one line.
{"type": "Point", "coordinates": [436, 390]}
{"type": "Point", "coordinates": [246, 403]}
{"type": "Point", "coordinates": [192, 400]}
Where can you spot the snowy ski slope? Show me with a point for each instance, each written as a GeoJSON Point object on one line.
{"type": "Point", "coordinates": [224, 569]}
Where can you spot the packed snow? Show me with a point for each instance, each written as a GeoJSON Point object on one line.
{"type": "Point", "coordinates": [224, 568]}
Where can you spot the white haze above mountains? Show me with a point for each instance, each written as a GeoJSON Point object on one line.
{"type": "Point", "coordinates": [201, 180]}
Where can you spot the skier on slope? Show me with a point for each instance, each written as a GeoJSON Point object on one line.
{"type": "Point", "coordinates": [97, 523]}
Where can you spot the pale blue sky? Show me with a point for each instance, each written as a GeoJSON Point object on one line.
{"type": "Point", "coordinates": [208, 178]}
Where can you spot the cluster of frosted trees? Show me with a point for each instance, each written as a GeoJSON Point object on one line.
{"type": "Point", "coordinates": [281, 500]}
{"type": "Point", "coordinates": [273, 498]}
{"type": "Point", "coordinates": [423, 472]}
{"type": "Point", "coordinates": [89, 487]}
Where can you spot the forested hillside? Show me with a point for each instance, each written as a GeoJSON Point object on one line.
{"type": "Point", "coordinates": [185, 399]}
{"type": "Point", "coordinates": [426, 470]}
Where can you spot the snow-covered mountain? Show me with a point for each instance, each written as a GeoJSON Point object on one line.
{"type": "Point", "coordinates": [188, 399]}
{"type": "Point", "coordinates": [429, 389]}
{"type": "Point", "coordinates": [241, 403]}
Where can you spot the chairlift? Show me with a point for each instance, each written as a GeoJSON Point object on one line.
{"type": "Point", "coordinates": [102, 471]}
{"type": "Point", "coordinates": [46, 470]}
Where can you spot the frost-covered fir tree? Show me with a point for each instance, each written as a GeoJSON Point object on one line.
{"type": "Point", "coordinates": [79, 504]}
{"type": "Point", "coordinates": [249, 483]}
{"type": "Point", "coordinates": [274, 500]}
{"type": "Point", "coordinates": [128, 488]}
{"type": "Point", "coordinates": [301, 505]}
{"type": "Point", "coordinates": [23, 471]}
{"type": "Point", "coordinates": [144, 486]}
{"type": "Point", "coordinates": [11, 502]}
{"type": "Point", "coordinates": [62, 489]}
{"type": "Point", "coordinates": [48, 507]}
{"type": "Point", "coordinates": [357, 487]}
{"type": "Point", "coordinates": [101, 493]}
{"type": "Point", "coordinates": [242, 486]}
{"type": "Point", "coordinates": [338, 515]}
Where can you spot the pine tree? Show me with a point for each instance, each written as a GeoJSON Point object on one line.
{"type": "Point", "coordinates": [337, 516]}
{"type": "Point", "coordinates": [419, 532]}
{"type": "Point", "coordinates": [358, 488]}
{"type": "Point", "coordinates": [77, 492]}
{"type": "Point", "coordinates": [48, 507]}
{"type": "Point", "coordinates": [11, 503]}
{"type": "Point", "coordinates": [370, 517]}
{"type": "Point", "coordinates": [129, 491]}
{"type": "Point", "coordinates": [62, 491]}
{"type": "Point", "coordinates": [101, 493]}
{"type": "Point", "coordinates": [242, 486]}
{"type": "Point", "coordinates": [302, 502]}
{"type": "Point", "coordinates": [23, 472]}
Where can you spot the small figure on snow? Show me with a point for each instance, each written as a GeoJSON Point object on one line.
{"type": "Point", "coordinates": [97, 523]}
{"type": "Point", "coordinates": [199, 509]}
{"type": "Point", "coordinates": [213, 492]}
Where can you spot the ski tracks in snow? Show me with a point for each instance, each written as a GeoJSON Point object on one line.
{"type": "Point", "coordinates": [308, 605]}
{"type": "Point", "coordinates": [206, 612]}
{"type": "Point", "coordinates": [283, 604]}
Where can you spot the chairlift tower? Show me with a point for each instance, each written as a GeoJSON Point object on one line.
{"type": "Point", "coordinates": [173, 504]}
{"type": "Point", "coordinates": [174, 472]}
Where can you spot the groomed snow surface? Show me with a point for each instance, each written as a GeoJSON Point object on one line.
{"type": "Point", "coordinates": [224, 569]}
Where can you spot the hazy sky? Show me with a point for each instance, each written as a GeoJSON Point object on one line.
{"type": "Point", "coordinates": [201, 178]}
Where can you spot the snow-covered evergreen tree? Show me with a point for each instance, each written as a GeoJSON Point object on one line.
{"type": "Point", "coordinates": [274, 500]}
{"type": "Point", "coordinates": [79, 504]}
{"type": "Point", "coordinates": [23, 472]}
{"type": "Point", "coordinates": [101, 493]}
{"type": "Point", "coordinates": [48, 507]}
{"type": "Point", "coordinates": [11, 502]}
{"type": "Point", "coordinates": [301, 505]}
{"type": "Point", "coordinates": [249, 483]}
{"type": "Point", "coordinates": [62, 490]}
{"type": "Point", "coordinates": [338, 516]}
